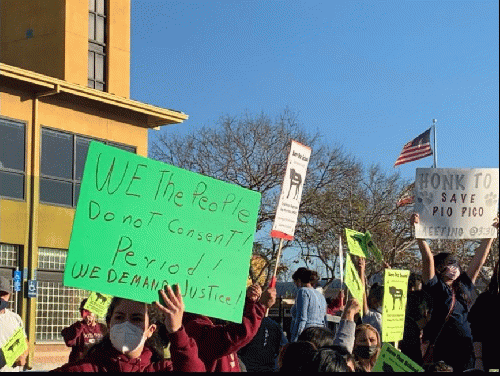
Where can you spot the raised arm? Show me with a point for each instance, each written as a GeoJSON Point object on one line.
{"type": "Point", "coordinates": [480, 256]}
{"type": "Point", "coordinates": [425, 251]}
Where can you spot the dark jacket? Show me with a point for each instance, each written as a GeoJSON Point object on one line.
{"type": "Point", "coordinates": [80, 337]}
{"type": "Point", "coordinates": [218, 344]}
{"type": "Point", "coordinates": [183, 350]}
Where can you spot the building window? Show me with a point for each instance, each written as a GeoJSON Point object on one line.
{"type": "Point", "coordinates": [57, 305]}
{"type": "Point", "coordinates": [97, 45]}
{"type": "Point", "coordinates": [9, 261]}
{"type": "Point", "coordinates": [12, 159]}
{"type": "Point", "coordinates": [62, 164]}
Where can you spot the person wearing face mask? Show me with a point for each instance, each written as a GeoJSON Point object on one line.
{"type": "Point", "coordinates": [10, 322]}
{"type": "Point", "coordinates": [133, 343]}
{"type": "Point", "coordinates": [448, 334]}
{"type": "Point", "coordinates": [367, 346]}
{"type": "Point", "coordinates": [83, 334]}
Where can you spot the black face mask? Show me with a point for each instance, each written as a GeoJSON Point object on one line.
{"type": "Point", "coordinates": [3, 304]}
{"type": "Point", "coordinates": [365, 352]}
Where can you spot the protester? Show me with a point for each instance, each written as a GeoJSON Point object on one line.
{"type": "Point", "coordinates": [448, 336]}
{"type": "Point", "coordinates": [83, 334]}
{"type": "Point", "coordinates": [417, 315]}
{"type": "Point", "coordinates": [296, 357]}
{"type": "Point", "coordinates": [329, 359]}
{"type": "Point", "coordinates": [367, 346]}
{"type": "Point", "coordinates": [335, 305]}
{"type": "Point", "coordinates": [485, 325]}
{"type": "Point", "coordinates": [10, 322]}
{"type": "Point", "coordinates": [218, 344]}
{"type": "Point", "coordinates": [310, 305]}
{"type": "Point", "coordinates": [261, 354]}
{"type": "Point", "coordinates": [372, 305]}
{"type": "Point", "coordinates": [133, 345]}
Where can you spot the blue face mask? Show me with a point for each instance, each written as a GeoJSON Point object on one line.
{"type": "Point", "coordinates": [3, 304]}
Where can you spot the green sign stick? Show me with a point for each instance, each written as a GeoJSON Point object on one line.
{"type": "Point", "coordinates": [141, 224]}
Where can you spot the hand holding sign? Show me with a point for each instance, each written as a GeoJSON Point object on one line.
{"type": "Point", "coordinates": [172, 307]}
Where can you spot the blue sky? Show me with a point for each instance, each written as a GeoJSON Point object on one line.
{"type": "Point", "coordinates": [369, 76]}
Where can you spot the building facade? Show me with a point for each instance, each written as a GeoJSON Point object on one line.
{"type": "Point", "coordinates": [64, 81]}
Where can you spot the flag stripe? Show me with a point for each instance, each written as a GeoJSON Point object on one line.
{"type": "Point", "coordinates": [415, 149]}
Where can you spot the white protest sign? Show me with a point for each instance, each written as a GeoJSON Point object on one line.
{"type": "Point", "coordinates": [291, 192]}
{"type": "Point", "coordinates": [456, 203]}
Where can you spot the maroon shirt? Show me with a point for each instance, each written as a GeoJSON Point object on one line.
{"type": "Point", "coordinates": [80, 337]}
{"type": "Point", "coordinates": [183, 351]}
{"type": "Point", "coordinates": [218, 344]}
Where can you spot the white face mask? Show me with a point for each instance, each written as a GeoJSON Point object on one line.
{"type": "Point", "coordinates": [126, 337]}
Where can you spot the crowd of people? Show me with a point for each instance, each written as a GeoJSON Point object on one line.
{"type": "Point", "coordinates": [444, 328]}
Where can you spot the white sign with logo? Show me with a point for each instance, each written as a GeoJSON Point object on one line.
{"type": "Point", "coordinates": [456, 203]}
{"type": "Point", "coordinates": [291, 192]}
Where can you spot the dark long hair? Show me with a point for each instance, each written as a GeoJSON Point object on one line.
{"type": "Point", "coordinates": [306, 276]}
{"type": "Point", "coordinates": [494, 285]}
{"type": "Point", "coordinates": [155, 343]}
{"type": "Point", "coordinates": [457, 286]}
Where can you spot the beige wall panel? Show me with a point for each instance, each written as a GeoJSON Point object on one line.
{"type": "Point", "coordinates": [54, 226]}
{"type": "Point", "coordinates": [119, 48]}
{"type": "Point", "coordinates": [43, 53]}
{"type": "Point", "coordinates": [11, 105]}
{"type": "Point", "coordinates": [94, 123]}
{"type": "Point", "coordinates": [119, 72]}
{"type": "Point", "coordinates": [13, 221]}
{"type": "Point", "coordinates": [76, 41]}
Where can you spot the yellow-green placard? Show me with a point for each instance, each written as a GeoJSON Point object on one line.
{"type": "Point", "coordinates": [393, 311]}
{"type": "Point", "coordinates": [15, 347]}
{"type": "Point", "coordinates": [356, 242]}
{"type": "Point", "coordinates": [98, 303]}
{"type": "Point", "coordinates": [391, 359]}
{"type": "Point", "coordinates": [141, 224]}
{"type": "Point", "coordinates": [353, 282]}
{"type": "Point", "coordinates": [372, 247]}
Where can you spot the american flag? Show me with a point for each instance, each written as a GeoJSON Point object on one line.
{"type": "Point", "coordinates": [407, 196]}
{"type": "Point", "coordinates": [417, 148]}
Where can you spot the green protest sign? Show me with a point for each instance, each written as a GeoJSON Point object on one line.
{"type": "Point", "coordinates": [356, 243]}
{"type": "Point", "coordinates": [98, 303]}
{"type": "Point", "coordinates": [141, 224]}
{"type": "Point", "coordinates": [391, 359]}
{"type": "Point", "coordinates": [372, 247]}
{"type": "Point", "coordinates": [353, 282]}
{"type": "Point", "coordinates": [15, 347]}
{"type": "Point", "coordinates": [394, 305]}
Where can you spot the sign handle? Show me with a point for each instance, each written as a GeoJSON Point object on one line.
{"type": "Point", "coordinates": [272, 284]}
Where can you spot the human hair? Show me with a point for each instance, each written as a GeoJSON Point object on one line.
{"type": "Point", "coordinates": [418, 303]}
{"type": "Point", "coordinates": [375, 296]}
{"type": "Point", "coordinates": [457, 286]}
{"type": "Point", "coordinates": [414, 280]}
{"type": "Point", "coordinates": [494, 285]}
{"type": "Point", "coordinates": [361, 328]}
{"type": "Point", "coordinates": [296, 356]}
{"type": "Point", "coordinates": [82, 304]}
{"type": "Point", "coordinates": [319, 336]}
{"type": "Point", "coordinates": [155, 343]}
{"type": "Point", "coordinates": [328, 360]}
{"type": "Point", "coordinates": [305, 276]}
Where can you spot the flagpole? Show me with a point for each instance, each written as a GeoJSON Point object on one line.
{"type": "Point", "coordinates": [434, 121]}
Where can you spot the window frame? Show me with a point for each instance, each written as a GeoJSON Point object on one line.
{"type": "Point", "coordinates": [97, 47]}
{"type": "Point", "coordinates": [74, 181]}
{"type": "Point", "coordinates": [23, 174]}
